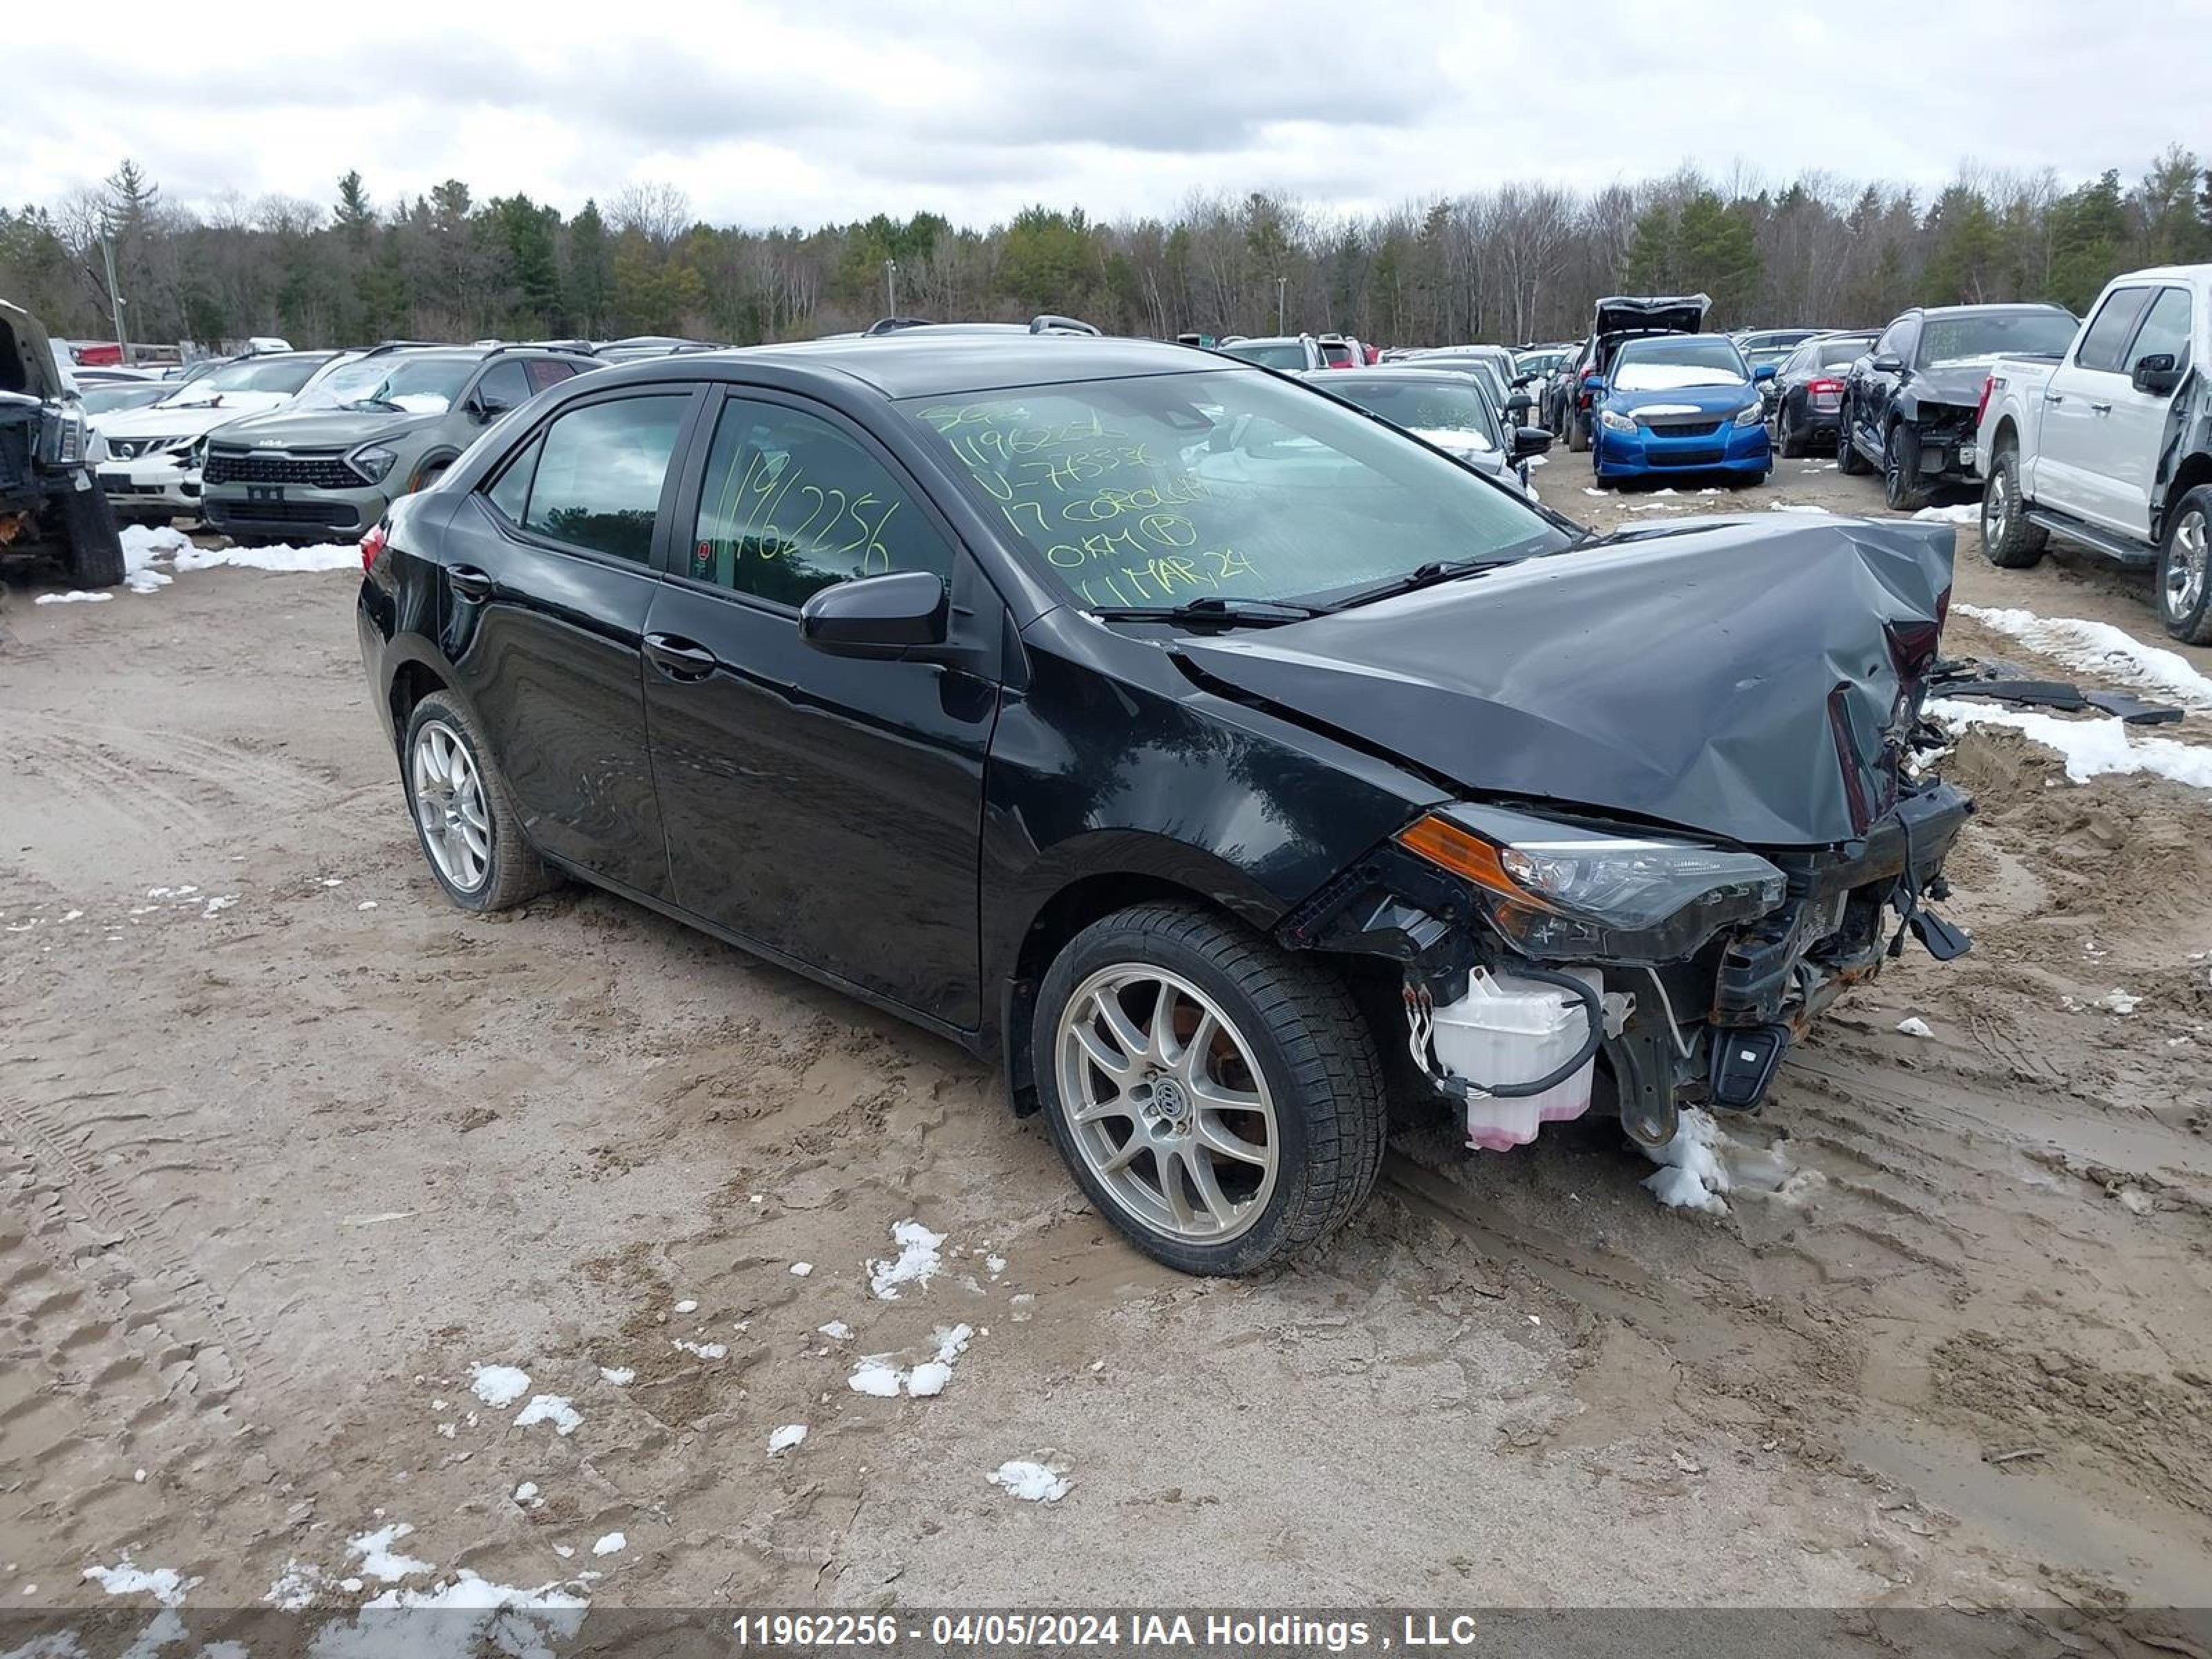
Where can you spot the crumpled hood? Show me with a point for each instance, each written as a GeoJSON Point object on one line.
{"type": "Point", "coordinates": [319, 428]}
{"type": "Point", "coordinates": [1741, 678]}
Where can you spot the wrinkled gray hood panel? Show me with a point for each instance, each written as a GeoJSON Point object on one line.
{"type": "Point", "coordinates": [1715, 676]}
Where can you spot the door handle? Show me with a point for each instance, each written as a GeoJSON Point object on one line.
{"type": "Point", "coordinates": [2053, 398]}
{"type": "Point", "coordinates": [2100, 408]}
{"type": "Point", "coordinates": [680, 658]}
{"type": "Point", "coordinates": [469, 582]}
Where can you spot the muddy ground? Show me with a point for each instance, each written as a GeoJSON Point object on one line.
{"type": "Point", "coordinates": [287, 1148]}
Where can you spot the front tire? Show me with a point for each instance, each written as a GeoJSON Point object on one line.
{"type": "Point", "coordinates": [1901, 488]}
{"type": "Point", "coordinates": [2009, 541]}
{"type": "Point", "coordinates": [2184, 570]}
{"type": "Point", "coordinates": [466, 822]}
{"type": "Point", "coordinates": [1218, 1099]}
{"type": "Point", "coordinates": [1848, 461]}
{"type": "Point", "coordinates": [92, 542]}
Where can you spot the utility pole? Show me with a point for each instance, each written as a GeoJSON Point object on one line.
{"type": "Point", "coordinates": [890, 286]}
{"type": "Point", "coordinates": [1281, 283]}
{"type": "Point", "coordinates": [114, 294]}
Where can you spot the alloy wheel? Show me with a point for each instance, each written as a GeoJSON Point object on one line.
{"type": "Point", "coordinates": [1997, 508]}
{"type": "Point", "coordinates": [1165, 1104]}
{"type": "Point", "coordinates": [449, 805]}
{"type": "Point", "coordinates": [2185, 566]}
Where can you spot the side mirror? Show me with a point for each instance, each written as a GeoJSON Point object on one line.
{"type": "Point", "coordinates": [2157, 375]}
{"type": "Point", "coordinates": [487, 410]}
{"type": "Point", "coordinates": [1888, 363]}
{"type": "Point", "coordinates": [1530, 440]}
{"type": "Point", "coordinates": [1519, 404]}
{"type": "Point", "coordinates": [1763, 371]}
{"type": "Point", "coordinates": [879, 617]}
{"type": "Point", "coordinates": [1592, 383]}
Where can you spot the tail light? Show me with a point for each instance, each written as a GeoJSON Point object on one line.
{"type": "Point", "coordinates": [371, 544]}
{"type": "Point", "coordinates": [1825, 386]}
{"type": "Point", "coordinates": [1989, 385]}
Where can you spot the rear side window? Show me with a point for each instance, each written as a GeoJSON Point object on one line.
{"type": "Point", "coordinates": [599, 473]}
{"type": "Point", "coordinates": [511, 494]}
{"type": "Point", "coordinates": [791, 504]}
{"type": "Point", "coordinates": [2165, 330]}
{"type": "Point", "coordinates": [547, 371]}
{"type": "Point", "coordinates": [2108, 335]}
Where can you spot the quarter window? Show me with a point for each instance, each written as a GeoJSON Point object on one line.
{"type": "Point", "coordinates": [547, 371]}
{"type": "Point", "coordinates": [791, 504]}
{"type": "Point", "coordinates": [2165, 330]}
{"type": "Point", "coordinates": [600, 469]}
{"type": "Point", "coordinates": [511, 494]}
{"type": "Point", "coordinates": [2107, 335]}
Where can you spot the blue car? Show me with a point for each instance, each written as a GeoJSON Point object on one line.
{"type": "Point", "coordinates": [1680, 403]}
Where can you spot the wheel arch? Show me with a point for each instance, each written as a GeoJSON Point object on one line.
{"type": "Point", "coordinates": [2195, 470]}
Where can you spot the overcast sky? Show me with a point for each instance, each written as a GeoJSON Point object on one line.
{"type": "Point", "coordinates": [771, 113]}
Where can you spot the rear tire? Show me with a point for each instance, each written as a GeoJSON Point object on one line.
{"type": "Point", "coordinates": [466, 821]}
{"type": "Point", "coordinates": [1578, 437]}
{"type": "Point", "coordinates": [1901, 488]}
{"type": "Point", "coordinates": [1848, 461]}
{"type": "Point", "coordinates": [2009, 541]}
{"type": "Point", "coordinates": [93, 550]}
{"type": "Point", "coordinates": [2184, 570]}
{"type": "Point", "coordinates": [1245, 1020]}
{"type": "Point", "coordinates": [1789, 439]}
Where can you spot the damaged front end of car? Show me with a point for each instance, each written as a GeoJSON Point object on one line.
{"type": "Point", "coordinates": [1610, 936]}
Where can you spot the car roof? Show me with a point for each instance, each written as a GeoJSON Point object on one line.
{"type": "Point", "coordinates": [1975, 311]}
{"type": "Point", "coordinates": [934, 363]}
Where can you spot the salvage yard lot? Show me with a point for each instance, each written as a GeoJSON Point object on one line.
{"type": "Point", "coordinates": [289, 1147]}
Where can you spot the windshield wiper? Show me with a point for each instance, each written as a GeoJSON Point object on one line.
{"type": "Point", "coordinates": [1420, 576]}
{"type": "Point", "coordinates": [1213, 608]}
{"type": "Point", "coordinates": [373, 403]}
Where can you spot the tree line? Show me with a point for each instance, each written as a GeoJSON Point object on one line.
{"type": "Point", "coordinates": [1517, 261]}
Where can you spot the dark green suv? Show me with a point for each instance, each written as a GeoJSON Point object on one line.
{"type": "Point", "coordinates": [386, 425]}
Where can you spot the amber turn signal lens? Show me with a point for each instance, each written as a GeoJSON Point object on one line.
{"type": "Point", "coordinates": [1444, 843]}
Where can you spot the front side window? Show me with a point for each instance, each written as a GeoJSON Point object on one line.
{"type": "Point", "coordinates": [2165, 331]}
{"type": "Point", "coordinates": [2106, 336]}
{"type": "Point", "coordinates": [599, 473]}
{"type": "Point", "coordinates": [792, 504]}
{"type": "Point", "coordinates": [1156, 491]}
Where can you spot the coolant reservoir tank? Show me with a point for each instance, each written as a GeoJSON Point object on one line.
{"type": "Point", "coordinates": [1508, 1030]}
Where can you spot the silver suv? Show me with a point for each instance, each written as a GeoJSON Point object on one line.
{"type": "Point", "coordinates": [384, 426]}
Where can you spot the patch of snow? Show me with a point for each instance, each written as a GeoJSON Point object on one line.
{"type": "Point", "coordinates": [2116, 1001]}
{"type": "Point", "coordinates": [366, 904]}
{"type": "Point", "coordinates": [916, 1261]}
{"type": "Point", "coordinates": [800, 1269]}
{"type": "Point", "coordinates": [613, 1544]}
{"type": "Point", "coordinates": [1962, 513]}
{"type": "Point", "coordinates": [550, 1408]}
{"type": "Point", "coordinates": [525, 1491]}
{"type": "Point", "coordinates": [326, 556]}
{"type": "Point", "coordinates": [1913, 1026]}
{"type": "Point", "coordinates": [498, 1386]}
{"type": "Point", "coordinates": [379, 1560]}
{"type": "Point", "coordinates": [75, 596]}
{"type": "Point", "coordinates": [785, 1438]}
{"type": "Point", "coordinates": [162, 1583]}
{"type": "Point", "coordinates": [506, 1620]}
{"type": "Point", "coordinates": [2100, 647]}
{"type": "Point", "coordinates": [687, 1306]}
{"type": "Point", "coordinates": [2090, 748]}
{"type": "Point", "coordinates": [1032, 1482]}
{"type": "Point", "coordinates": [1599, 494]}
{"type": "Point", "coordinates": [704, 1350]}
{"type": "Point", "coordinates": [621, 1375]}
{"type": "Point", "coordinates": [995, 1265]}
{"type": "Point", "coordinates": [837, 1329]}
{"type": "Point", "coordinates": [296, 1587]}
{"type": "Point", "coordinates": [927, 1380]}
{"type": "Point", "coordinates": [1693, 1174]}
{"type": "Point", "coordinates": [876, 1376]}
{"type": "Point", "coordinates": [1793, 506]}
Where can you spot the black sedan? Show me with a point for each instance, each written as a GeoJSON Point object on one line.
{"type": "Point", "coordinates": [1206, 751]}
{"type": "Point", "coordinates": [1808, 391]}
{"type": "Point", "coordinates": [1911, 403]}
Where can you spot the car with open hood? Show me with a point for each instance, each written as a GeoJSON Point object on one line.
{"type": "Point", "coordinates": [1615, 318]}
{"type": "Point", "coordinates": [388, 422]}
{"type": "Point", "coordinates": [1199, 746]}
{"type": "Point", "coordinates": [1912, 404]}
{"type": "Point", "coordinates": [1671, 403]}
{"type": "Point", "coordinates": [50, 492]}
{"type": "Point", "coordinates": [155, 453]}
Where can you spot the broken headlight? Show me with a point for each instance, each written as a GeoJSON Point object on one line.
{"type": "Point", "coordinates": [1565, 893]}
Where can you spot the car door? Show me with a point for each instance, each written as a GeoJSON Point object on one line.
{"type": "Point", "coordinates": [2075, 449]}
{"type": "Point", "coordinates": [551, 576]}
{"type": "Point", "coordinates": [826, 808]}
{"type": "Point", "coordinates": [1883, 375]}
{"type": "Point", "coordinates": [2137, 428]}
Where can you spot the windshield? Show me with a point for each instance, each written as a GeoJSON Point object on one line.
{"type": "Point", "coordinates": [1994, 333]}
{"type": "Point", "coordinates": [284, 374]}
{"type": "Point", "coordinates": [1449, 416]}
{"type": "Point", "coordinates": [1538, 362]}
{"type": "Point", "coordinates": [1834, 353]}
{"type": "Point", "coordinates": [414, 386]}
{"type": "Point", "coordinates": [108, 399]}
{"type": "Point", "coordinates": [1286, 354]}
{"type": "Point", "coordinates": [1161, 489]}
{"type": "Point", "coordinates": [1682, 359]}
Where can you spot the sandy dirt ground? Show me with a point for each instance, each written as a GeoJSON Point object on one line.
{"type": "Point", "coordinates": [288, 1146]}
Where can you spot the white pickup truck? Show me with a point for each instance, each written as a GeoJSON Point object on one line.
{"type": "Point", "coordinates": [2110, 445]}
